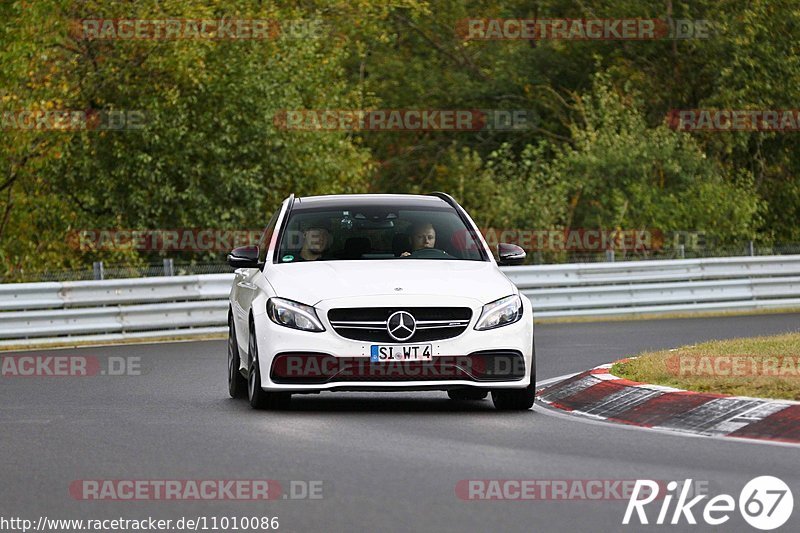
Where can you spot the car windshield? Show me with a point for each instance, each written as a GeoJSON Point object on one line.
{"type": "Point", "coordinates": [377, 232]}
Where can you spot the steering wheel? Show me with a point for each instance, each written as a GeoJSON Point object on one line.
{"type": "Point", "coordinates": [429, 253]}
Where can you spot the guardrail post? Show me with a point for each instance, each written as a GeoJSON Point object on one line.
{"type": "Point", "coordinates": [169, 267]}
{"type": "Point", "coordinates": [750, 248]}
{"type": "Point", "coordinates": [609, 256]}
{"type": "Point", "coordinates": [97, 267]}
{"type": "Point", "coordinates": [681, 251]}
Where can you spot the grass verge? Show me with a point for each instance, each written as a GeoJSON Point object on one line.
{"type": "Point", "coordinates": [762, 367]}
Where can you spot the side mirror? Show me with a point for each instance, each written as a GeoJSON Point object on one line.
{"type": "Point", "coordinates": [244, 257]}
{"type": "Point", "coordinates": [510, 254]}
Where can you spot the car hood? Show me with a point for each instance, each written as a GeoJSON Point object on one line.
{"type": "Point", "coordinates": [312, 283]}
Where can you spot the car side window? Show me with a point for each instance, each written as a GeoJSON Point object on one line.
{"type": "Point", "coordinates": [266, 237]}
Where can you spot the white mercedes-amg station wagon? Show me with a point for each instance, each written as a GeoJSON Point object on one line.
{"type": "Point", "coordinates": [377, 292]}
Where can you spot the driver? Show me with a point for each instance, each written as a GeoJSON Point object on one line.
{"type": "Point", "coordinates": [316, 239]}
{"type": "Point", "coordinates": [423, 235]}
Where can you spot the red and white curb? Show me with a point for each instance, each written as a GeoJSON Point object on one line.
{"type": "Point", "coordinates": [601, 395]}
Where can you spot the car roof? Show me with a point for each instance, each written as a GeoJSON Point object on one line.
{"type": "Point", "coordinates": [354, 201]}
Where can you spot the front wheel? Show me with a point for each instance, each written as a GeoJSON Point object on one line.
{"type": "Point", "coordinates": [259, 398]}
{"type": "Point", "coordinates": [514, 399]}
{"type": "Point", "coordinates": [237, 385]}
{"type": "Point", "coordinates": [517, 399]}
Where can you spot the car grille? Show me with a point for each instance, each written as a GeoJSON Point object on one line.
{"type": "Point", "coordinates": [369, 323]}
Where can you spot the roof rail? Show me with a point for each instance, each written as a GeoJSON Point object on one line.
{"type": "Point", "coordinates": [446, 197]}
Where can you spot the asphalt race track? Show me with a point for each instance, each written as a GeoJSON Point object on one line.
{"type": "Point", "coordinates": [386, 461]}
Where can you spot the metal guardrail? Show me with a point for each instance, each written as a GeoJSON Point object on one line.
{"type": "Point", "coordinates": [114, 310]}
{"type": "Point", "coordinates": [644, 287]}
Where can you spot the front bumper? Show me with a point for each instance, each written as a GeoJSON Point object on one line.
{"type": "Point", "coordinates": [347, 362]}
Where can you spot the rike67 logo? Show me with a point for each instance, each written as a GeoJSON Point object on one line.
{"type": "Point", "coordinates": [765, 503]}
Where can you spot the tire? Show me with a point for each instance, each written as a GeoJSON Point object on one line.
{"type": "Point", "coordinates": [517, 399]}
{"type": "Point", "coordinates": [237, 385]}
{"type": "Point", "coordinates": [514, 399]}
{"type": "Point", "coordinates": [467, 395]}
{"type": "Point", "coordinates": [259, 398]}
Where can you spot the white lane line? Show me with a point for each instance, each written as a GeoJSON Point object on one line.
{"type": "Point", "coordinates": [545, 382]}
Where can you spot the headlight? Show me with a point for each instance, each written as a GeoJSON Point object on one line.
{"type": "Point", "coordinates": [502, 312]}
{"type": "Point", "coordinates": [293, 315]}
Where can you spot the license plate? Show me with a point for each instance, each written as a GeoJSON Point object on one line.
{"type": "Point", "coordinates": [400, 352]}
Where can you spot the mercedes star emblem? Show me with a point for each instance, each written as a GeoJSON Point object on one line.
{"type": "Point", "coordinates": [401, 325]}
